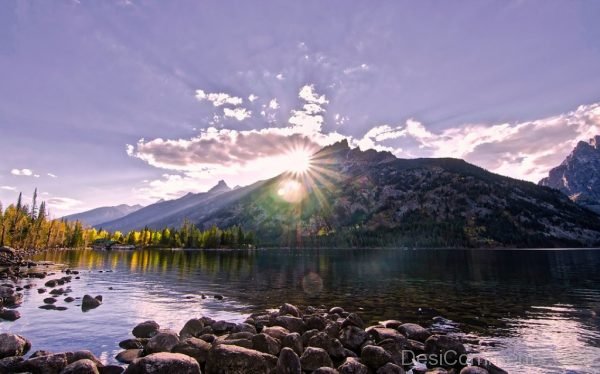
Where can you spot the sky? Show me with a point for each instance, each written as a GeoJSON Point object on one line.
{"type": "Point", "coordinates": [109, 102]}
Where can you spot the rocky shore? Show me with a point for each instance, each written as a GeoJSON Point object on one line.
{"type": "Point", "coordinates": [290, 340]}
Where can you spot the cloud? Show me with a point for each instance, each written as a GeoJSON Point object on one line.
{"type": "Point", "coordinates": [52, 175]}
{"type": "Point", "coordinates": [273, 104]}
{"type": "Point", "coordinates": [308, 94]}
{"type": "Point", "coordinates": [62, 203]}
{"type": "Point", "coordinates": [280, 77]}
{"type": "Point", "coordinates": [22, 172]}
{"type": "Point", "coordinates": [252, 98]}
{"type": "Point", "coordinates": [8, 188]}
{"type": "Point", "coordinates": [218, 99]}
{"type": "Point", "coordinates": [238, 113]}
{"type": "Point", "coordinates": [357, 69]}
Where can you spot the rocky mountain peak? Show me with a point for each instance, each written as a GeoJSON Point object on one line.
{"type": "Point", "coordinates": [221, 186]}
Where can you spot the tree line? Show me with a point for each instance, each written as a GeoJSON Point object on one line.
{"type": "Point", "coordinates": [25, 226]}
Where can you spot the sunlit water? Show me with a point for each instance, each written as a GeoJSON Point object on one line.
{"type": "Point", "coordinates": [535, 311]}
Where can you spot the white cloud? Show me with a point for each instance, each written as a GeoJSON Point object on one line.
{"type": "Point", "coordinates": [252, 98]}
{"type": "Point", "coordinates": [52, 175]}
{"type": "Point", "coordinates": [280, 77]}
{"type": "Point", "coordinates": [273, 104]}
{"type": "Point", "coordinates": [238, 113]}
{"type": "Point", "coordinates": [22, 172]}
{"type": "Point", "coordinates": [357, 69]}
{"type": "Point", "coordinates": [308, 94]}
{"type": "Point", "coordinates": [62, 203]}
{"type": "Point", "coordinates": [218, 99]}
{"type": "Point", "coordinates": [8, 188]}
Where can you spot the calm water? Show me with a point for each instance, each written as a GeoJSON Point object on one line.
{"type": "Point", "coordinates": [537, 309]}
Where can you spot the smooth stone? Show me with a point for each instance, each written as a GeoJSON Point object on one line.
{"type": "Point", "coordinates": [164, 341]}
{"type": "Point", "coordinates": [164, 363]}
{"type": "Point", "coordinates": [288, 362]}
{"type": "Point", "coordinates": [414, 331]}
{"type": "Point", "coordinates": [82, 355]}
{"type": "Point", "coordinates": [111, 369]}
{"type": "Point", "coordinates": [9, 314]}
{"type": "Point", "coordinates": [10, 364]}
{"type": "Point", "coordinates": [83, 366]}
{"type": "Point", "coordinates": [192, 328]}
{"type": "Point", "coordinates": [232, 359]}
{"type": "Point", "coordinates": [293, 341]}
{"type": "Point", "coordinates": [325, 370]}
{"type": "Point", "coordinates": [374, 356]}
{"type": "Point", "coordinates": [290, 323]}
{"type": "Point", "coordinates": [353, 337]}
{"type": "Point", "coordinates": [131, 344]}
{"type": "Point", "coordinates": [50, 300]}
{"type": "Point", "coordinates": [353, 320]}
{"type": "Point", "coordinates": [390, 368]}
{"type": "Point", "coordinates": [473, 370]}
{"type": "Point", "coordinates": [276, 332]}
{"type": "Point", "coordinates": [146, 329]}
{"type": "Point", "coordinates": [49, 364]}
{"type": "Point", "coordinates": [314, 358]}
{"type": "Point", "coordinates": [353, 366]}
{"type": "Point", "coordinates": [487, 365]}
{"type": "Point", "coordinates": [13, 345]}
{"type": "Point", "coordinates": [193, 347]}
{"type": "Point", "coordinates": [289, 309]}
{"type": "Point", "coordinates": [266, 344]}
{"type": "Point", "coordinates": [447, 351]}
{"type": "Point", "coordinates": [129, 355]}
{"type": "Point", "coordinates": [88, 302]}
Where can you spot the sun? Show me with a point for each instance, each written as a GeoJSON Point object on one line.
{"type": "Point", "coordinates": [299, 161]}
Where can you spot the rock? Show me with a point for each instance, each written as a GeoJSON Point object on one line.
{"type": "Point", "coordinates": [390, 368]}
{"type": "Point", "coordinates": [391, 323]}
{"type": "Point", "coordinates": [50, 300]}
{"type": "Point", "coordinates": [164, 341]}
{"type": "Point", "coordinates": [82, 355]}
{"type": "Point", "coordinates": [289, 309]}
{"type": "Point", "coordinates": [13, 345]}
{"type": "Point", "coordinates": [129, 355]}
{"type": "Point", "coordinates": [240, 335]}
{"type": "Point", "coordinates": [83, 366]}
{"type": "Point", "coordinates": [244, 327]}
{"type": "Point", "coordinates": [39, 353]}
{"type": "Point", "coordinates": [51, 283]}
{"type": "Point", "coordinates": [487, 365]}
{"type": "Point", "coordinates": [48, 306]}
{"type": "Point", "coordinates": [50, 364]}
{"type": "Point", "coordinates": [41, 290]}
{"type": "Point", "coordinates": [231, 359]}
{"type": "Point", "coordinates": [414, 331]}
{"type": "Point", "coordinates": [57, 291]}
{"type": "Point", "coordinates": [353, 337]}
{"type": "Point", "coordinates": [192, 328]}
{"type": "Point", "coordinates": [336, 310]}
{"type": "Point", "coordinates": [9, 314]}
{"type": "Point", "coordinates": [6, 291]}
{"type": "Point", "coordinates": [398, 350]}
{"type": "Point", "coordinates": [220, 327]}
{"type": "Point", "coordinates": [266, 344]}
{"type": "Point", "coordinates": [10, 364]}
{"type": "Point", "coordinates": [288, 362]}
{"type": "Point", "coordinates": [333, 346]}
{"type": "Point", "coordinates": [473, 370]}
{"type": "Point", "coordinates": [353, 366]}
{"type": "Point", "coordinates": [374, 356]}
{"type": "Point", "coordinates": [111, 369]}
{"type": "Point", "coordinates": [333, 329]}
{"type": "Point", "coordinates": [246, 343]}
{"type": "Point", "coordinates": [164, 363]}
{"type": "Point", "coordinates": [325, 370]}
{"type": "Point", "coordinates": [69, 299]}
{"type": "Point", "coordinates": [131, 344]}
{"type": "Point", "coordinates": [193, 347]}
{"type": "Point", "coordinates": [294, 342]}
{"type": "Point", "coordinates": [8, 250]}
{"type": "Point", "coordinates": [146, 329]}
{"type": "Point", "coordinates": [314, 358]}
{"type": "Point", "coordinates": [276, 332]}
{"type": "Point", "coordinates": [292, 324]}
{"type": "Point", "coordinates": [315, 322]}
{"type": "Point", "coordinates": [382, 333]}
{"type": "Point", "coordinates": [353, 320]}
{"type": "Point", "coordinates": [445, 351]}
{"type": "Point", "coordinates": [88, 302]}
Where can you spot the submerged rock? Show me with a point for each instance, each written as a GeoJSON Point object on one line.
{"type": "Point", "coordinates": [89, 302]}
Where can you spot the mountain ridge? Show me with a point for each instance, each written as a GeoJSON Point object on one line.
{"type": "Point", "coordinates": [98, 215]}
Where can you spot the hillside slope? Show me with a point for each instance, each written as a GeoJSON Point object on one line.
{"type": "Point", "coordinates": [106, 213]}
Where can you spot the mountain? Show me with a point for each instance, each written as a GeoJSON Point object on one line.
{"type": "Point", "coordinates": [103, 214]}
{"type": "Point", "coordinates": [171, 212]}
{"type": "Point", "coordinates": [578, 176]}
{"type": "Point", "coordinates": [357, 198]}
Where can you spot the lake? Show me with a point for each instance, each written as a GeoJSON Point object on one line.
{"type": "Point", "coordinates": [537, 309]}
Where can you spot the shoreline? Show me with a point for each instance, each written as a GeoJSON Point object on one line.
{"type": "Point", "coordinates": [294, 340]}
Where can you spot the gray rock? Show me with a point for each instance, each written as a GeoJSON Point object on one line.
{"type": "Point", "coordinates": [353, 337]}
{"type": "Point", "coordinates": [288, 362]}
{"type": "Point", "coordinates": [294, 342]}
{"type": "Point", "coordinates": [244, 327]}
{"type": "Point", "coordinates": [314, 358]}
{"type": "Point", "coordinates": [446, 351]}
{"type": "Point", "coordinates": [391, 323]}
{"type": "Point", "coordinates": [374, 356]}
{"type": "Point", "coordinates": [231, 359]}
{"type": "Point", "coordinates": [276, 332]}
{"type": "Point", "coordinates": [487, 365]}
{"type": "Point", "coordinates": [191, 329]}
{"type": "Point", "coordinates": [193, 347]}
{"type": "Point", "coordinates": [146, 329]}
{"type": "Point", "coordinates": [414, 331]}
{"type": "Point", "coordinates": [292, 324]}
{"type": "Point", "coordinates": [88, 302]}
{"type": "Point", "coordinates": [315, 322]}
{"type": "Point", "coordinates": [289, 309]}
{"type": "Point", "coordinates": [164, 363]}
{"type": "Point", "coordinates": [83, 366]}
{"type": "Point", "coordinates": [390, 368]}
{"type": "Point", "coordinates": [381, 333]}
{"type": "Point", "coordinates": [266, 344]}
{"type": "Point", "coordinates": [353, 320]}
{"type": "Point", "coordinates": [129, 355]}
{"type": "Point", "coordinates": [9, 314]}
{"type": "Point", "coordinates": [353, 366]}
{"type": "Point", "coordinates": [50, 364]}
{"type": "Point", "coordinates": [13, 345]}
{"type": "Point", "coordinates": [131, 344]}
{"type": "Point", "coordinates": [164, 341]}
{"type": "Point", "coordinates": [82, 355]}
{"type": "Point", "coordinates": [10, 364]}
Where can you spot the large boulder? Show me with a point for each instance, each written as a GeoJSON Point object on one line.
{"type": "Point", "coordinates": [276, 332]}
{"type": "Point", "coordinates": [292, 324]}
{"type": "Point", "coordinates": [414, 331]}
{"type": "Point", "coordinates": [231, 359]}
{"type": "Point", "coordinates": [146, 329]}
{"type": "Point", "coordinates": [10, 364]}
{"type": "Point", "coordinates": [84, 366]}
{"type": "Point", "coordinates": [381, 333]}
{"type": "Point", "coordinates": [9, 314]}
{"type": "Point", "coordinates": [314, 358]}
{"type": "Point", "coordinates": [487, 365]}
{"type": "Point", "coordinates": [164, 363]}
{"type": "Point", "coordinates": [193, 347]}
{"type": "Point", "coordinates": [192, 329]}
{"type": "Point", "coordinates": [82, 355]}
{"type": "Point", "coordinates": [50, 364]}
{"type": "Point", "coordinates": [288, 362]}
{"type": "Point", "coordinates": [129, 355]}
{"type": "Point", "coordinates": [390, 368]}
{"type": "Point", "coordinates": [374, 356]}
{"type": "Point", "coordinates": [352, 337]}
{"type": "Point", "coordinates": [266, 344]}
{"type": "Point", "coordinates": [13, 345]}
{"type": "Point", "coordinates": [164, 341]}
{"type": "Point", "coordinates": [289, 309]}
{"type": "Point", "coordinates": [89, 302]}
{"type": "Point", "coordinates": [353, 366]}
{"type": "Point", "coordinates": [445, 351]}
{"type": "Point", "coordinates": [293, 341]}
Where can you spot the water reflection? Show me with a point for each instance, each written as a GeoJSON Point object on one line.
{"type": "Point", "coordinates": [540, 305]}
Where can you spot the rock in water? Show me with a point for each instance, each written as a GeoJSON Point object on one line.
{"type": "Point", "coordinates": [13, 345]}
{"type": "Point", "coordinates": [89, 302]}
{"type": "Point", "coordinates": [193, 347]}
{"type": "Point", "coordinates": [84, 366]}
{"type": "Point", "coordinates": [164, 341]}
{"type": "Point", "coordinates": [164, 363]}
{"type": "Point", "coordinates": [232, 359]}
{"type": "Point", "coordinates": [9, 314]}
{"type": "Point", "coordinates": [146, 329]}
